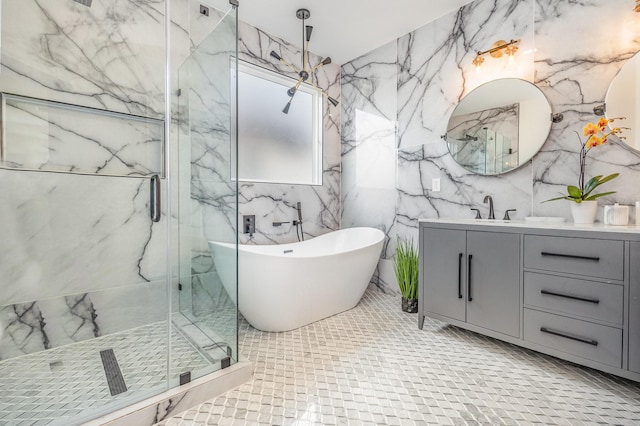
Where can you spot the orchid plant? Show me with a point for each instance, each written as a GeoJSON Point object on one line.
{"type": "Point", "coordinates": [596, 136]}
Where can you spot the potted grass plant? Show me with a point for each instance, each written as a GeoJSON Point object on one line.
{"type": "Point", "coordinates": [405, 264]}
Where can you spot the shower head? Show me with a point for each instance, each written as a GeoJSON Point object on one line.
{"type": "Point", "coordinates": [84, 2]}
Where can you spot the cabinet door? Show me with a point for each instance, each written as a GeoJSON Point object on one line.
{"type": "Point", "coordinates": [493, 286]}
{"type": "Point", "coordinates": [442, 289]}
{"type": "Point", "coordinates": [634, 309]}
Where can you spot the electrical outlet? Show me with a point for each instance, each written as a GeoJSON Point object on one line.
{"type": "Point", "coordinates": [435, 184]}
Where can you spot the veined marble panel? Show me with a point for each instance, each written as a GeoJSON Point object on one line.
{"type": "Point", "coordinates": [434, 63]}
{"type": "Point", "coordinates": [108, 56]}
{"type": "Point", "coordinates": [369, 130]}
{"type": "Point", "coordinates": [66, 234]}
{"type": "Point", "coordinates": [575, 63]}
{"type": "Point", "coordinates": [22, 330]}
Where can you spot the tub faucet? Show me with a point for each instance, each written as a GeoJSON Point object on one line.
{"type": "Point", "coordinates": [279, 223]}
{"type": "Point", "coordinates": [488, 199]}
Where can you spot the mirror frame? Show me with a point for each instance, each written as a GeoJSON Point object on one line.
{"type": "Point", "coordinates": [617, 111]}
{"type": "Point", "coordinates": [543, 133]}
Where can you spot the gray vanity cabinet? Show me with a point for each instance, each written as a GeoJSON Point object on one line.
{"type": "Point", "coordinates": [634, 308]}
{"type": "Point", "coordinates": [568, 291]}
{"type": "Point", "coordinates": [471, 277]}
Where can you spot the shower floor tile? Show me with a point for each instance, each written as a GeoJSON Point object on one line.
{"type": "Point", "coordinates": [68, 381]}
{"type": "Point", "coordinates": [371, 365]}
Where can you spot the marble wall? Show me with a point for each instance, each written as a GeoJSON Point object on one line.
{"type": "Point", "coordinates": [398, 98]}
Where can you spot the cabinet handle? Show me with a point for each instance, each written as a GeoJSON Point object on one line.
{"type": "Point", "coordinates": [469, 298]}
{"type": "Point", "coordinates": [570, 256]}
{"type": "Point", "coordinates": [460, 296]}
{"type": "Point", "coordinates": [569, 296]}
{"type": "Point", "coordinates": [568, 336]}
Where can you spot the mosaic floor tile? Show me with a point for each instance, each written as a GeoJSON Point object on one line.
{"type": "Point", "coordinates": [68, 381]}
{"type": "Point", "coordinates": [371, 365]}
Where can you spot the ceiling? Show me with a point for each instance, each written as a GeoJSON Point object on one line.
{"type": "Point", "coordinates": [344, 29]}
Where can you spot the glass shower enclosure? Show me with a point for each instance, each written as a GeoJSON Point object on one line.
{"type": "Point", "coordinates": [108, 292]}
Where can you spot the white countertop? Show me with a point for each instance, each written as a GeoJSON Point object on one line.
{"type": "Point", "coordinates": [598, 227]}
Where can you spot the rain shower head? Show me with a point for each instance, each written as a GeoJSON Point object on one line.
{"type": "Point", "coordinates": [84, 2]}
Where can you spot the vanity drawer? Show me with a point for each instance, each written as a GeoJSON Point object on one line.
{"type": "Point", "coordinates": [574, 296]}
{"type": "Point", "coordinates": [582, 256]}
{"type": "Point", "coordinates": [581, 338]}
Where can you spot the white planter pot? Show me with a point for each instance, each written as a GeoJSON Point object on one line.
{"type": "Point", "coordinates": [584, 212]}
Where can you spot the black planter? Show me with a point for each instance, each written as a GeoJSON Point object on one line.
{"type": "Point", "coordinates": [410, 305]}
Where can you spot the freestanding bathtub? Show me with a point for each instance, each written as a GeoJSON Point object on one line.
{"type": "Point", "coordinates": [286, 286]}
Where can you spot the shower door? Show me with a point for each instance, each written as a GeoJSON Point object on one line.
{"type": "Point", "coordinates": [208, 196]}
{"type": "Point", "coordinates": [84, 306]}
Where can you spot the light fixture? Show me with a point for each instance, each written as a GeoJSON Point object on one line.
{"type": "Point", "coordinates": [497, 50]}
{"type": "Point", "coordinates": [637, 8]}
{"type": "Point", "coordinates": [305, 72]}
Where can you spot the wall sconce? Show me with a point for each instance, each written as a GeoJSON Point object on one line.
{"type": "Point", "coordinates": [497, 50]}
{"type": "Point", "coordinates": [637, 8]}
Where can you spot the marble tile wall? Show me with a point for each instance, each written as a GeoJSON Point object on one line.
{"type": "Point", "coordinates": [398, 98]}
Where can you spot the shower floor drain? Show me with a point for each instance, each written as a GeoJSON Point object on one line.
{"type": "Point", "coordinates": [112, 371]}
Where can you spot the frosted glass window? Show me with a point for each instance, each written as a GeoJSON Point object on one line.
{"type": "Point", "coordinates": [274, 146]}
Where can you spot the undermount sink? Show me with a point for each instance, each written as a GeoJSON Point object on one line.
{"type": "Point", "coordinates": [483, 220]}
{"type": "Point", "coordinates": [544, 219]}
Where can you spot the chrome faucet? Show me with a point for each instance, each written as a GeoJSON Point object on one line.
{"type": "Point", "coordinates": [489, 200]}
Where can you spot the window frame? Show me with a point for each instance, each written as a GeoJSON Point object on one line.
{"type": "Point", "coordinates": [316, 122]}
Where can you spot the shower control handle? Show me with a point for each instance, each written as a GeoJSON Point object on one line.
{"type": "Point", "coordinates": [154, 202]}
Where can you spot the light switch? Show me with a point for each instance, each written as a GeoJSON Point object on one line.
{"type": "Point", "coordinates": [435, 184]}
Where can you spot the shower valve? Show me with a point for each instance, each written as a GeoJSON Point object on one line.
{"type": "Point", "coordinates": [249, 224]}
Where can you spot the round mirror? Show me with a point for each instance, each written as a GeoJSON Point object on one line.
{"type": "Point", "coordinates": [621, 101]}
{"type": "Point", "coordinates": [498, 126]}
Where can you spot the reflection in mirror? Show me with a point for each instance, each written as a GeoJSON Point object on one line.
{"type": "Point", "coordinates": [622, 101]}
{"type": "Point", "coordinates": [498, 126]}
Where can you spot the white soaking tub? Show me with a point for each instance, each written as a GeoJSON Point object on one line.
{"type": "Point", "coordinates": [286, 286]}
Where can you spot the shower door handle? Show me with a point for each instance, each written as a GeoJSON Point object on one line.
{"type": "Point", "coordinates": [154, 203]}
